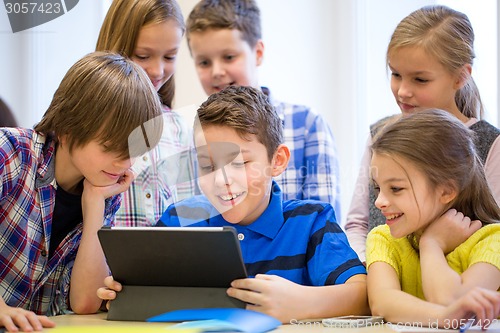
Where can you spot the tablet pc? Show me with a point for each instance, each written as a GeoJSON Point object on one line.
{"type": "Point", "coordinates": [173, 267]}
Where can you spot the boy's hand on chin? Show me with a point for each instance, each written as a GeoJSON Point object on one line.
{"type": "Point", "coordinates": [105, 192]}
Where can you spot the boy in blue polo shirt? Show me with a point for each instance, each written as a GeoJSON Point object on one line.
{"type": "Point", "coordinates": [297, 255]}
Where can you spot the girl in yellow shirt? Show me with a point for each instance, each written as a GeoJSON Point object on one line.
{"type": "Point", "coordinates": [437, 259]}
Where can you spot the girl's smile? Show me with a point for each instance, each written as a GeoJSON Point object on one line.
{"type": "Point", "coordinates": [405, 197]}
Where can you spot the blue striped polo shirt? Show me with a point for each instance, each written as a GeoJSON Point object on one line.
{"type": "Point", "coordinates": [298, 240]}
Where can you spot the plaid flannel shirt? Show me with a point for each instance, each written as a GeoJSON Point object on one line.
{"type": "Point", "coordinates": [29, 279]}
{"type": "Point", "coordinates": [164, 175]}
{"type": "Point", "coordinates": [313, 170]}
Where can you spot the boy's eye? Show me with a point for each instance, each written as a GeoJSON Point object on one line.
{"type": "Point", "coordinates": [238, 164]}
{"type": "Point", "coordinates": [206, 168]}
{"type": "Point", "coordinates": [203, 63]}
{"type": "Point", "coordinates": [421, 80]}
{"type": "Point", "coordinates": [140, 57]}
{"type": "Point", "coordinates": [229, 57]}
{"type": "Point", "coordinates": [396, 75]}
{"type": "Point", "coordinates": [170, 58]}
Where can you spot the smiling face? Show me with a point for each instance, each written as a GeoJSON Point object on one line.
{"type": "Point", "coordinates": [223, 58]}
{"type": "Point", "coordinates": [156, 50]}
{"type": "Point", "coordinates": [419, 81]}
{"type": "Point", "coordinates": [90, 161]}
{"type": "Point", "coordinates": [235, 173]}
{"type": "Point", "coordinates": [405, 197]}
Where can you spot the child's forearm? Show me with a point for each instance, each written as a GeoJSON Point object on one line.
{"type": "Point", "coordinates": [397, 306]}
{"type": "Point", "coordinates": [441, 284]}
{"type": "Point", "coordinates": [90, 266]}
{"type": "Point", "coordinates": [349, 298]}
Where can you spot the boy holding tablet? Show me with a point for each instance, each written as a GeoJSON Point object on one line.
{"type": "Point", "coordinates": [299, 260]}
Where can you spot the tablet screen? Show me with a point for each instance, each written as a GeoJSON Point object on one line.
{"type": "Point", "coordinates": [173, 256]}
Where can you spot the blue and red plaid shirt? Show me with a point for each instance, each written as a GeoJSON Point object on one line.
{"type": "Point", "coordinates": [29, 279]}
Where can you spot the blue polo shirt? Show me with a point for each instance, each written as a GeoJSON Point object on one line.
{"type": "Point", "coordinates": [298, 240]}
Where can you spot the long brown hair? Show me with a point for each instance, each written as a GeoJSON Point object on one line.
{"type": "Point", "coordinates": [446, 155]}
{"type": "Point", "coordinates": [124, 20]}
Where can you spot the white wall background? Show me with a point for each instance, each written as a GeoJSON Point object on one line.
{"type": "Point", "coordinates": [328, 54]}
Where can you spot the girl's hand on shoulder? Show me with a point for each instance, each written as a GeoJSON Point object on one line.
{"type": "Point", "coordinates": [481, 303]}
{"type": "Point", "coordinates": [108, 293]}
{"type": "Point", "coordinates": [449, 231]}
{"type": "Point", "coordinates": [18, 319]}
{"type": "Point", "coordinates": [270, 294]}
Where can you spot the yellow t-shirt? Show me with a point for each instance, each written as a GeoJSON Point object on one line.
{"type": "Point", "coordinates": [482, 246]}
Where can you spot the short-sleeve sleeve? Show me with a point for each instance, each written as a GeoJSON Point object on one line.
{"type": "Point", "coordinates": [380, 246]}
{"type": "Point", "coordinates": [487, 247]}
{"type": "Point", "coordinates": [333, 261]}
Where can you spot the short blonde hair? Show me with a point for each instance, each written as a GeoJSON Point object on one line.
{"type": "Point", "coordinates": [124, 20]}
{"type": "Point", "coordinates": [105, 97]}
{"type": "Point", "coordinates": [242, 15]}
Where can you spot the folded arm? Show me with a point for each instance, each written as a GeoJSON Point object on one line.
{"type": "Point", "coordinates": [441, 284]}
{"type": "Point", "coordinates": [396, 306]}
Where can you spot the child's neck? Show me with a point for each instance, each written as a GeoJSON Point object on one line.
{"type": "Point", "coordinates": [66, 175]}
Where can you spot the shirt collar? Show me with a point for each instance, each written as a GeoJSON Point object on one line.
{"type": "Point", "coordinates": [268, 224]}
{"type": "Point", "coordinates": [47, 168]}
{"type": "Point", "coordinates": [271, 220]}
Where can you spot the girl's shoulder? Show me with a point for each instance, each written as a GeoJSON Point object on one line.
{"type": "Point", "coordinates": [488, 233]}
{"type": "Point", "coordinates": [486, 135]}
{"type": "Point", "coordinates": [482, 246]}
{"type": "Point", "coordinates": [489, 229]}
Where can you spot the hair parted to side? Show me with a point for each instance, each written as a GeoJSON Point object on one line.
{"type": "Point", "coordinates": [243, 15]}
{"type": "Point", "coordinates": [105, 97]}
{"type": "Point", "coordinates": [447, 35]}
{"type": "Point", "coordinates": [446, 155]}
{"type": "Point", "coordinates": [247, 111]}
{"type": "Point", "coordinates": [124, 20]}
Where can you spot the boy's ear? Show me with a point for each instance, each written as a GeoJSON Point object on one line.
{"type": "Point", "coordinates": [448, 193]}
{"type": "Point", "coordinates": [259, 52]}
{"type": "Point", "coordinates": [280, 160]}
{"type": "Point", "coordinates": [464, 74]}
{"type": "Point", "coordinates": [63, 139]}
